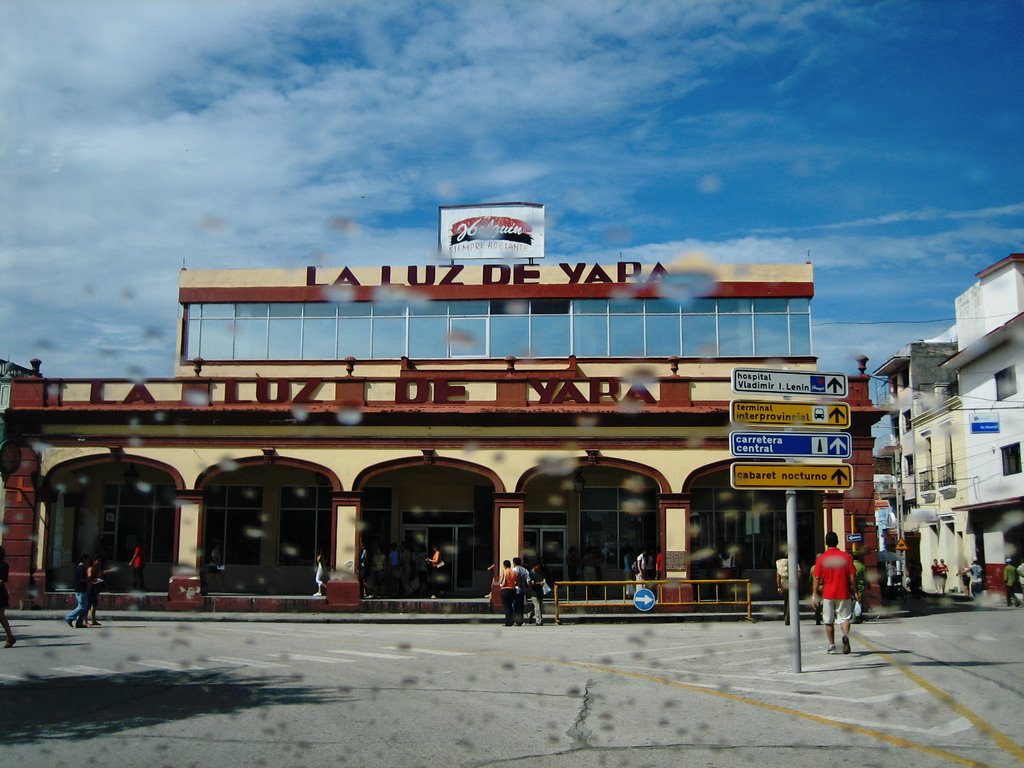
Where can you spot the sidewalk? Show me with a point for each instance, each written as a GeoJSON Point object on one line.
{"type": "Point", "coordinates": [479, 611]}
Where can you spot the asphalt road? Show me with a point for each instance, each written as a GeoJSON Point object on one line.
{"type": "Point", "coordinates": [924, 691]}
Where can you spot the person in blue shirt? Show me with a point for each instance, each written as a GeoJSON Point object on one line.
{"type": "Point", "coordinates": [81, 587]}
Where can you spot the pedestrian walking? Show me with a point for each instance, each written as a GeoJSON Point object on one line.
{"type": "Point", "coordinates": [80, 585]}
{"type": "Point", "coordinates": [320, 574]}
{"type": "Point", "coordinates": [977, 578]}
{"type": "Point", "coordinates": [5, 599]}
{"type": "Point", "coordinates": [438, 574]}
{"type": "Point", "coordinates": [782, 583]}
{"type": "Point", "coordinates": [965, 579]}
{"type": "Point", "coordinates": [137, 564]}
{"type": "Point", "coordinates": [215, 569]}
{"type": "Point", "coordinates": [860, 581]}
{"type": "Point", "coordinates": [507, 585]}
{"type": "Point", "coordinates": [522, 586]}
{"type": "Point", "coordinates": [95, 573]}
{"type": "Point", "coordinates": [943, 575]}
{"type": "Point", "coordinates": [538, 586]}
{"type": "Point", "coordinates": [1012, 581]}
{"type": "Point", "coordinates": [834, 576]}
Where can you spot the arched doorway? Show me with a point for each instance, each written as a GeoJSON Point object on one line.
{"type": "Point", "coordinates": [106, 506]}
{"type": "Point", "coordinates": [592, 522]}
{"type": "Point", "coordinates": [408, 508]}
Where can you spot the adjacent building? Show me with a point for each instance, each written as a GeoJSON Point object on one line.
{"type": "Point", "coordinates": [957, 425]}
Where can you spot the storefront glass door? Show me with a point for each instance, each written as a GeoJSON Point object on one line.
{"type": "Point", "coordinates": [546, 544]}
{"type": "Point", "coordinates": [456, 546]}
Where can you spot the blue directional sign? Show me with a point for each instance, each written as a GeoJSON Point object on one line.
{"type": "Point", "coordinates": [644, 599]}
{"type": "Point", "coordinates": [820, 445]}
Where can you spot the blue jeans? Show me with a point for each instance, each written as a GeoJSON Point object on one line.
{"type": "Point", "coordinates": [78, 614]}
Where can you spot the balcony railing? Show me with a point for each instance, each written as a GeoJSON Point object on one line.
{"type": "Point", "coordinates": [946, 475]}
{"type": "Point", "coordinates": [927, 479]}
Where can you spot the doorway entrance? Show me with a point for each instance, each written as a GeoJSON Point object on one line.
{"type": "Point", "coordinates": [456, 544]}
{"type": "Point", "coordinates": [546, 544]}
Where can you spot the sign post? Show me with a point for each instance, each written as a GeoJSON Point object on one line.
{"type": "Point", "coordinates": [790, 445]}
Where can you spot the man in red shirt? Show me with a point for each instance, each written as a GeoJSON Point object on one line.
{"type": "Point", "coordinates": [835, 581]}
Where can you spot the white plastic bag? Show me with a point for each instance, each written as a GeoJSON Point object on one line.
{"type": "Point", "coordinates": [856, 608]}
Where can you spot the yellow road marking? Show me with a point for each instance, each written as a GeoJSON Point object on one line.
{"type": "Point", "coordinates": [1005, 742]}
{"type": "Point", "coordinates": [869, 732]}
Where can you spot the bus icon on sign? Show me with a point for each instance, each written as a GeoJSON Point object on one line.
{"type": "Point", "coordinates": [819, 414]}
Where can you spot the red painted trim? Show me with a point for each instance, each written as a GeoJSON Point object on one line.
{"type": "Point", "coordinates": [316, 293]}
{"type": "Point", "coordinates": [603, 463]}
{"type": "Point", "coordinates": [210, 474]}
{"type": "Point", "coordinates": [386, 466]}
{"type": "Point", "coordinates": [1013, 257]}
{"type": "Point", "coordinates": [72, 465]}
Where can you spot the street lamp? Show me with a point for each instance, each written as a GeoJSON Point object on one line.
{"type": "Point", "coordinates": [578, 483]}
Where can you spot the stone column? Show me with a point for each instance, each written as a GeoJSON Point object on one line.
{"type": "Point", "coordinates": [509, 510]}
{"type": "Point", "coordinates": [184, 591]}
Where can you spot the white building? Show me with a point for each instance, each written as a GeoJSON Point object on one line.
{"type": "Point", "coordinates": [957, 429]}
{"type": "Point", "coordinates": [989, 365]}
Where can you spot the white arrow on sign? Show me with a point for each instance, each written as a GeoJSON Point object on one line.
{"type": "Point", "coordinates": [644, 599]}
{"type": "Point", "coordinates": [831, 445]}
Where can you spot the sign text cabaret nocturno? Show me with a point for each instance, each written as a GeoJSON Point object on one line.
{"type": "Point", "coordinates": [505, 274]}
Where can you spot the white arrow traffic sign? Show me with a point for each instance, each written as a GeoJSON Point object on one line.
{"type": "Point", "coordinates": [794, 445]}
{"type": "Point", "coordinates": [644, 599]}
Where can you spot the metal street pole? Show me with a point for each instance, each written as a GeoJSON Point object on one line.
{"type": "Point", "coordinates": [794, 579]}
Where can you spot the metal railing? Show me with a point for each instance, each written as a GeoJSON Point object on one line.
{"type": "Point", "coordinates": [681, 594]}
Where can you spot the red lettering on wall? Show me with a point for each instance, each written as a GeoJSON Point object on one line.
{"type": "Point", "coordinates": [453, 272]}
{"type": "Point", "coordinates": [447, 392]}
{"type": "Point", "coordinates": [639, 393]}
{"type": "Point", "coordinates": [282, 391]}
{"type": "Point", "coordinates": [231, 392]}
{"type": "Point", "coordinates": [305, 395]}
{"type": "Point", "coordinates": [544, 388]}
{"type": "Point", "coordinates": [574, 271]}
{"type": "Point", "coordinates": [139, 394]}
{"type": "Point", "coordinates": [525, 273]}
{"type": "Point", "coordinates": [497, 274]}
{"type": "Point", "coordinates": [598, 275]}
{"type": "Point", "coordinates": [412, 391]}
{"type": "Point", "coordinates": [413, 275]}
{"type": "Point", "coordinates": [604, 389]}
{"type": "Point", "coordinates": [346, 278]}
{"type": "Point", "coordinates": [628, 269]}
{"type": "Point", "coordinates": [657, 273]}
{"type": "Point", "coordinates": [569, 391]}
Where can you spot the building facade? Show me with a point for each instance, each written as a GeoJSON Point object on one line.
{"type": "Point", "coordinates": [990, 327]}
{"type": "Point", "coordinates": [957, 423]}
{"type": "Point", "coordinates": [575, 413]}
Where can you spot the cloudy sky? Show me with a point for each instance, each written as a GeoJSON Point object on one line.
{"type": "Point", "coordinates": [880, 140]}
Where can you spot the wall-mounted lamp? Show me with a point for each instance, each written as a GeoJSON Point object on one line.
{"type": "Point", "coordinates": [578, 483]}
{"type": "Point", "coordinates": [131, 476]}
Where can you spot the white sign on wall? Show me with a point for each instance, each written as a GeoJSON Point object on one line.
{"type": "Point", "coordinates": [492, 231]}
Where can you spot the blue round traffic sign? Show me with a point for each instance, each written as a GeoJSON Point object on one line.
{"type": "Point", "coordinates": [644, 599]}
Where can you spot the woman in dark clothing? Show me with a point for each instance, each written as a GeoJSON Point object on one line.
{"type": "Point", "coordinates": [5, 572]}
